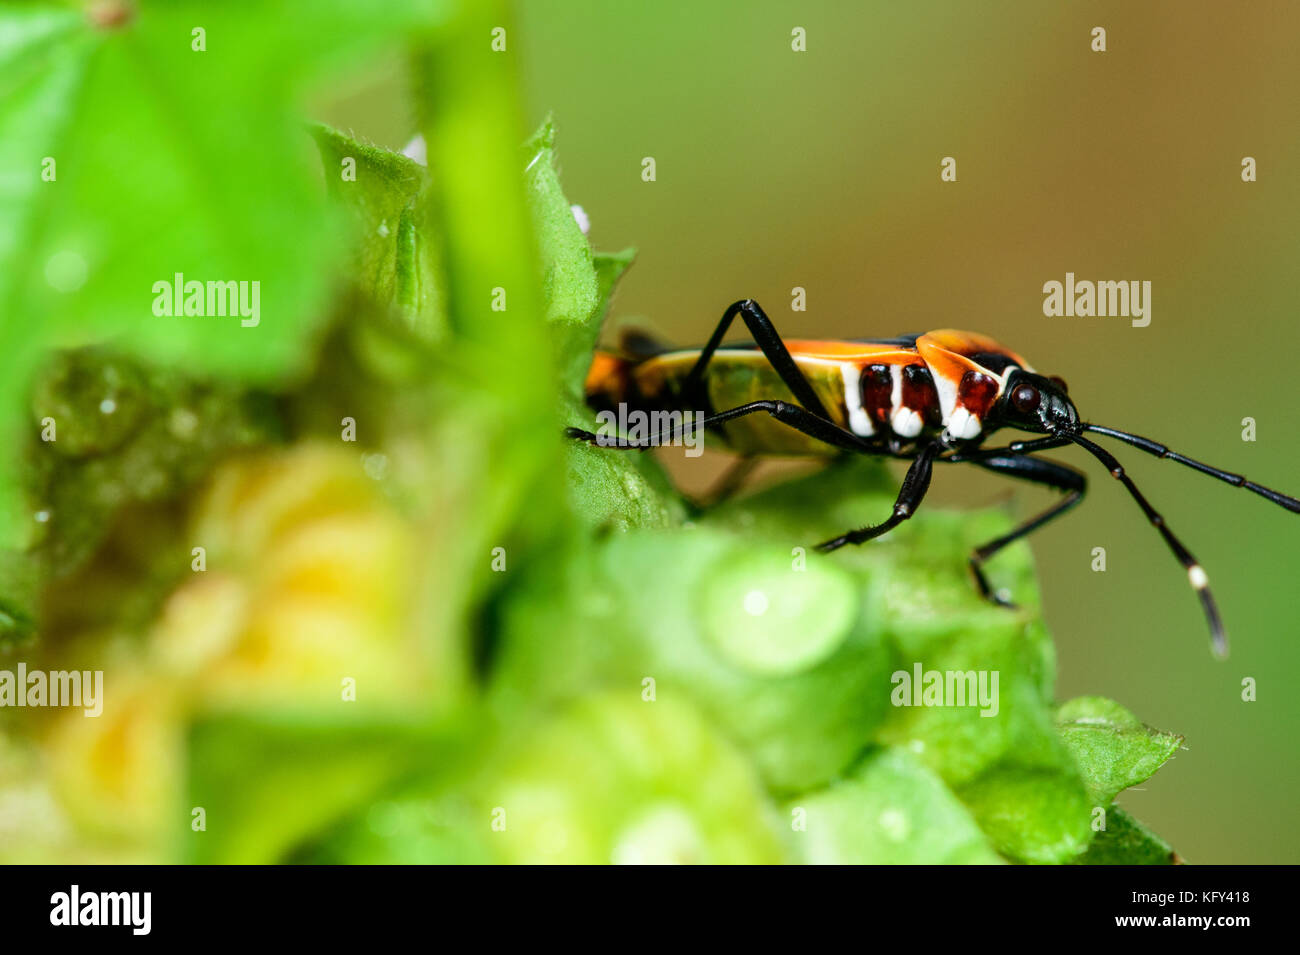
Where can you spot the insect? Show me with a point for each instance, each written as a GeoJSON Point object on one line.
{"type": "Point", "coordinates": [926, 398]}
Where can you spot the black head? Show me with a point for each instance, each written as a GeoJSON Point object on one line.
{"type": "Point", "coordinates": [1036, 403]}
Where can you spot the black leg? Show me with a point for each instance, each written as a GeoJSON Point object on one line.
{"type": "Point", "coordinates": [910, 495]}
{"type": "Point", "coordinates": [760, 326]}
{"type": "Point", "coordinates": [803, 421]}
{"type": "Point", "coordinates": [1015, 447]}
{"type": "Point", "coordinates": [1195, 575]}
{"type": "Point", "coordinates": [1048, 473]}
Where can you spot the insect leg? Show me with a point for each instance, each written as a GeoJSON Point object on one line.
{"type": "Point", "coordinates": [1039, 471]}
{"type": "Point", "coordinates": [798, 418]}
{"type": "Point", "coordinates": [1195, 575]}
{"type": "Point", "coordinates": [765, 334]}
{"type": "Point", "coordinates": [1015, 447]}
{"type": "Point", "coordinates": [910, 495]}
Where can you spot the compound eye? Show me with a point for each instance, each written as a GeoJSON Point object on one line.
{"type": "Point", "coordinates": [1060, 383]}
{"type": "Point", "coordinates": [1025, 399]}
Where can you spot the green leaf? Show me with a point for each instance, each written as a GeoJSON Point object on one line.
{"type": "Point", "coordinates": [610, 267]}
{"type": "Point", "coordinates": [1113, 749]}
{"type": "Point", "coordinates": [612, 778]}
{"type": "Point", "coordinates": [405, 829]}
{"type": "Point", "coordinates": [18, 598]}
{"type": "Point", "coordinates": [607, 488]}
{"type": "Point", "coordinates": [177, 160]}
{"type": "Point", "coordinates": [1125, 841]}
{"type": "Point", "coordinates": [568, 274]}
{"type": "Point", "coordinates": [578, 283]}
{"type": "Point", "coordinates": [1031, 813]}
{"type": "Point", "coordinates": [1009, 768]}
{"type": "Point", "coordinates": [577, 341]}
{"type": "Point", "coordinates": [125, 432]}
{"type": "Point", "coordinates": [270, 780]}
{"type": "Point", "coordinates": [789, 663]}
{"type": "Point", "coordinates": [619, 490]}
{"type": "Point", "coordinates": [396, 252]}
{"type": "Point", "coordinates": [167, 160]}
{"type": "Point", "coordinates": [43, 53]}
{"type": "Point", "coordinates": [890, 810]}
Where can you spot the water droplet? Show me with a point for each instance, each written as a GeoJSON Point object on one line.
{"type": "Point", "coordinates": [895, 825]}
{"type": "Point", "coordinates": [183, 423]}
{"type": "Point", "coordinates": [661, 835]}
{"type": "Point", "coordinates": [787, 626]}
{"type": "Point", "coordinates": [66, 271]}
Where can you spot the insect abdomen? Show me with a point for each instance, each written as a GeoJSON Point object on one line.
{"type": "Point", "coordinates": [735, 377]}
{"type": "Point", "coordinates": [899, 389]}
{"type": "Point", "coordinates": [896, 400]}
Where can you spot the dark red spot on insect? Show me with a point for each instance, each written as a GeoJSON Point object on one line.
{"type": "Point", "coordinates": [1060, 383]}
{"type": "Point", "coordinates": [877, 392]}
{"type": "Point", "coordinates": [920, 395]}
{"type": "Point", "coordinates": [977, 392]}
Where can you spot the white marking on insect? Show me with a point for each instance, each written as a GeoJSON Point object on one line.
{"type": "Point", "coordinates": [947, 391]}
{"type": "Point", "coordinates": [963, 425]}
{"type": "Point", "coordinates": [906, 422]}
{"type": "Point", "coordinates": [1198, 577]}
{"type": "Point", "coordinates": [859, 420]}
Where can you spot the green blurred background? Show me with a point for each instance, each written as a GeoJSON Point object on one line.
{"type": "Point", "coordinates": [820, 169]}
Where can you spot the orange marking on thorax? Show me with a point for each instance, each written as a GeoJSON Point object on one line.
{"type": "Point", "coordinates": [966, 344]}
{"type": "Point", "coordinates": [944, 363]}
{"type": "Point", "coordinates": [865, 352]}
{"type": "Point", "coordinates": [607, 374]}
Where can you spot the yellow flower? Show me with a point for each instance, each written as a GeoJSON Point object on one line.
{"type": "Point", "coordinates": [118, 774]}
{"type": "Point", "coordinates": [307, 593]}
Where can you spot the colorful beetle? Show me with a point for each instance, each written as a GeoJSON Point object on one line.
{"type": "Point", "coordinates": [925, 398]}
